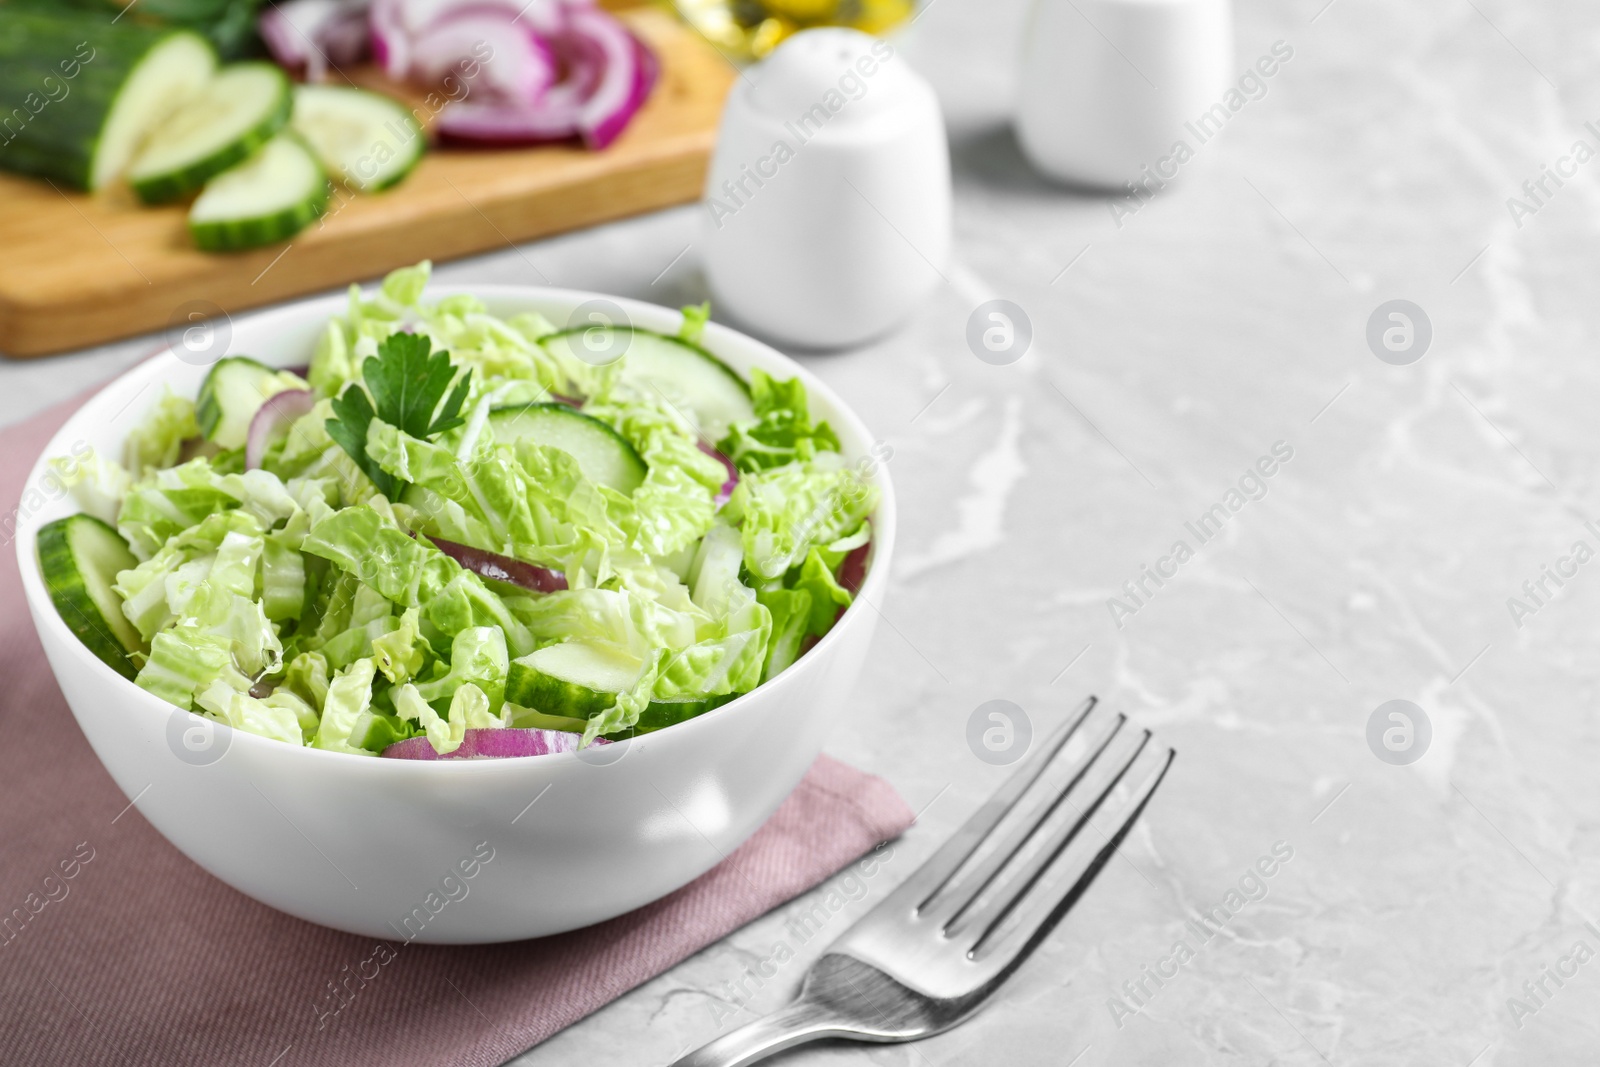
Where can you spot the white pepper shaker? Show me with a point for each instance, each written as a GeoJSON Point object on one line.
{"type": "Point", "coordinates": [829, 193]}
{"type": "Point", "coordinates": [1107, 85]}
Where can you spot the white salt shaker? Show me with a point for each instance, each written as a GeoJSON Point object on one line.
{"type": "Point", "coordinates": [829, 193]}
{"type": "Point", "coordinates": [1107, 85]}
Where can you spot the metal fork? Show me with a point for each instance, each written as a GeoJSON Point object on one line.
{"type": "Point", "coordinates": [933, 952]}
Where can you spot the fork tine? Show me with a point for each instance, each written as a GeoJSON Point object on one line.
{"type": "Point", "coordinates": [926, 881]}
{"type": "Point", "coordinates": [1038, 913]}
{"type": "Point", "coordinates": [1011, 884]}
{"type": "Point", "coordinates": [958, 895]}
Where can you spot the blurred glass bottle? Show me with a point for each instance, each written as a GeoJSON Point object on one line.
{"type": "Point", "coordinates": [749, 29]}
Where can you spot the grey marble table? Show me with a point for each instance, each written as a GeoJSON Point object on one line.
{"type": "Point", "coordinates": [1424, 907]}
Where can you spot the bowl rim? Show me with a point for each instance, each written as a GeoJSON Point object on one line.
{"type": "Point", "coordinates": [317, 309]}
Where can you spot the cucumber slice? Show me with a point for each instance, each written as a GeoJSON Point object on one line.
{"type": "Point", "coordinates": [529, 719]}
{"type": "Point", "coordinates": [562, 686]}
{"type": "Point", "coordinates": [694, 381]}
{"type": "Point", "coordinates": [234, 390]}
{"type": "Point", "coordinates": [236, 113]}
{"type": "Point", "coordinates": [657, 715]}
{"type": "Point", "coordinates": [660, 714]}
{"type": "Point", "coordinates": [573, 680]}
{"type": "Point", "coordinates": [604, 456]}
{"type": "Point", "coordinates": [272, 195]}
{"type": "Point", "coordinates": [714, 573]}
{"type": "Point", "coordinates": [364, 139]}
{"type": "Point", "coordinates": [80, 557]}
{"type": "Point", "coordinates": [80, 98]}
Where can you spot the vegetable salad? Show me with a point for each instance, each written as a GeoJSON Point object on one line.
{"type": "Point", "coordinates": [454, 521]}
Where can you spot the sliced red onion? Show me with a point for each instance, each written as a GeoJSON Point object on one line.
{"type": "Point", "coordinates": [852, 571]}
{"type": "Point", "coordinates": [486, 564]}
{"type": "Point", "coordinates": [491, 743]}
{"type": "Point", "coordinates": [489, 125]}
{"type": "Point", "coordinates": [391, 44]}
{"type": "Point", "coordinates": [626, 77]}
{"type": "Point", "coordinates": [401, 27]}
{"type": "Point", "coordinates": [276, 414]}
{"type": "Point", "coordinates": [523, 66]}
{"type": "Point", "coordinates": [491, 122]}
{"type": "Point", "coordinates": [347, 39]}
{"type": "Point", "coordinates": [560, 68]}
{"type": "Point", "coordinates": [733, 473]}
{"type": "Point", "coordinates": [398, 24]}
{"type": "Point", "coordinates": [310, 34]}
{"type": "Point", "coordinates": [606, 75]}
{"type": "Point", "coordinates": [853, 568]}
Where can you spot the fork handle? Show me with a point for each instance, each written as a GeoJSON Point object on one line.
{"type": "Point", "coordinates": [794, 1024]}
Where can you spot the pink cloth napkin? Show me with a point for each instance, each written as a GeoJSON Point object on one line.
{"type": "Point", "coordinates": [115, 948]}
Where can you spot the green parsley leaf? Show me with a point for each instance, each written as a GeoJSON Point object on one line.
{"type": "Point", "coordinates": [405, 384]}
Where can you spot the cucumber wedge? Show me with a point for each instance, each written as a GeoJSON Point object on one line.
{"type": "Point", "coordinates": [81, 94]}
{"type": "Point", "coordinates": [364, 139]}
{"type": "Point", "coordinates": [234, 390]}
{"type": "Point", "coordinates": [80, 557]}
{"type": "Point", "coordinates": [694, 381]}
{"type": "Point", "coordinates": [236, 113]}
{"type": "Point", "coordinates": [604, 456]}
{"type": "Point", "coordinates": [573, 680]}
{"type": "Point", "coordinates": [272, 195]}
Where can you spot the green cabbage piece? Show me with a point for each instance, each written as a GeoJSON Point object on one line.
{"type": "Point", "coordinates": [785, 512]}
{"type": "Point", "coordinates": [527, 501]}
{"type": "Point", "coordinates": [401, 653]}
{"type": "Point", "coordinates": [469, 710]}
{"type": "Point", "coordinates": [307, 677]}
{"type": "Point", "coordinates": [186, 659]}
{"type": "Point", "coordinates": [477, 658]}
{"type": "Point", "coordinates": [277, 718]}
{"type": "Point", "coordinates": [158, 439]}
{"type": "Point", "coordinates": [631, 623]}
{"type": "Point", "coordinates": [283, 579]}
{"type": "Point", "coordinates": [496, 348]}
{"type": "Point", "coordinates": [675, 505]}
{"type": "Point", "coordinates": [782, 431]}
{"type": "Point", "coordinates": [346, 710]}
{"type": "Point", "coordinates": [412, 573]}
{"type": "Point", "coordinates": [827, 595]}
{"type": "Point", "coordinates": [695, 317]}
{"type": "Point", "coordinates": [167, 502]}
{"type": "Point", "coordinates": [791, 622]}
{"type": "Point", "coordinates": [99, 485]}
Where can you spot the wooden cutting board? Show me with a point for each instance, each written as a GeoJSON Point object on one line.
{"type": "Point", "coordinates": [77, 270]}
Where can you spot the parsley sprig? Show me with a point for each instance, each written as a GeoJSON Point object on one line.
{"type": "Point", "coordinates": [407, 382]}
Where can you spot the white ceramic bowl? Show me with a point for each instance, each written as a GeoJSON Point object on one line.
{"type": "Point", "coordinates": [381, 847]}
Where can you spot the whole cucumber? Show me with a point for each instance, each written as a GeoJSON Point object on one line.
{"type": "Point", "coordinates": [78, 92]}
